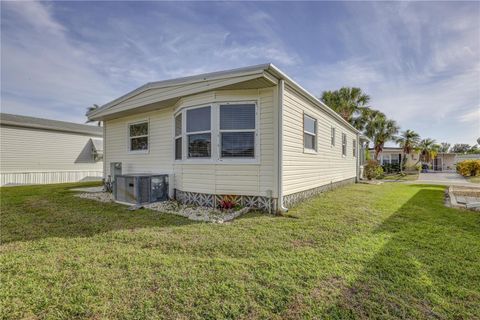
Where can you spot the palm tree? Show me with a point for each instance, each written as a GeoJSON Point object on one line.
{"type": "Point", "coordinates": [90, 109]}
{"type": "Point", "coordinates": [408, 141]}
{"type": "Point", "coordinates": [428, 150]}
{"type": "Point", "coordinates": [346, 101]}
{"type": "Point", "coordinates": [380, 131]}
{"type": "Point", "coordinates": [444, 147]}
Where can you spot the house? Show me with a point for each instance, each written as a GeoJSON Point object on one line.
{"type": "Point", "coordinates": [442, 162]}
{"type": "Point", "coordinates": [38, 151]}
{"type": "Point", "coordinates": [252, 133]}
{"type": "Point", "coordinates": [395, 155]}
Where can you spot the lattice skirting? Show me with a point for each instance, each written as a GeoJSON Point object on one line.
{"type": "Point", "coordinates": [212, 200]}
{"type": "Point", "coordinates": [294, 198]}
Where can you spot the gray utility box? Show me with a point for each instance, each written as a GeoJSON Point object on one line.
{"type": "Point", "coordinates": [141, 188]}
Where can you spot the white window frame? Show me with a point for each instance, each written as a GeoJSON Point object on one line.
{"type": "Point", "coordinates": [332, 136]}
{"type": "Point", "coordinates": [315, 135]}
{"type": "Point", "coordinates": [129, 138]}
{"type": "Point", "coordinates": [215, 152]}
{"type": "Point", "coordinates": [255, 133]}
{"type": "Point", "coordinates": [186, 134]}
{"type": "Point", "coordinates": [180, 136]}
{"type": "Point", "coordinates": [344, 144]}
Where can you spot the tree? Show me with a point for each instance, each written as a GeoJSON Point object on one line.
{"type": "Point", "coordinates": [90, 109]}
{"type": "Point", "coordinates": [444, 147]}
{"type": "Point", "coordinates": [346, 101]}
{"type": "Point", "coordinates": [460, 148]}
{"type": "Point", "coordinates": [474, 150]}
{"type": "Point", "coordinates": [408, 141]}
{"type": "Point", "coordinates": [380, 131]}
{"type": "Point", "coordinates": [428, 150]}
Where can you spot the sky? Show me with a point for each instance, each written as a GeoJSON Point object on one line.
{"type": "Point", "coordinates": [419, 61]}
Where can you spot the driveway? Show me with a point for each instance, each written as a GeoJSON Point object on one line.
{"type": "Point", "coordinates": [443, 178]}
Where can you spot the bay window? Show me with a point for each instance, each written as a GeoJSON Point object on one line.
{"type": "Point", "coordinates": [219, 132]}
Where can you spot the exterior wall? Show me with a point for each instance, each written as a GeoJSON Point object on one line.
{"type": "Point", "coordinates": [36, 156]}
{"type": "Point", "coordinates": [412, 159]}
{"type": "Point", "coordinates": [252, 179]}
{"type": "Point", "coordinates": [303, 170]}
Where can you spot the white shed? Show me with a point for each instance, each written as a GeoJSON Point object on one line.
{"type": "Point", "coordinates": [39, 151]}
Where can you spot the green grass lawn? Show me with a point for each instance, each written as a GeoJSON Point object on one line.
{"type": "Point", "coordinates": [398, 177]}
{"type": "Point", "coordinates": [391, 251]}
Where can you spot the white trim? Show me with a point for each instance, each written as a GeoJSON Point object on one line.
{"type": "Point", "coordinates": [334, 131]}
{"type": "Point", "coordinates": [281, 87]}
{"type": "Point", "coordinates": [344, 142]}
{"type": "Point", "coordinates": [129, 151]}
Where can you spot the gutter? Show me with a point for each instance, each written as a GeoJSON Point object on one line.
{"type": "Point", "coordinates": [281, 86]}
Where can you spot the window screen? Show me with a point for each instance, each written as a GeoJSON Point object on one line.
{"type": "Point", "coordinates": [344, 144]}
{"type": "Point", "coordinates": [198, 119]}
{"type": "Point", "coordinates": [237, 117]}
{"type": "Point", "coordinates": [332, 136]}
{"type": "Point", "coordinates": [199, 145]}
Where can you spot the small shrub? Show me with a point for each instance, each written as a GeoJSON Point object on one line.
{"type": "Point", "coordinates": [227, 203]}
{"type": "Point", "coordinates": [469, 168]}
{"type": "Point", "coordinates": [373, 170]}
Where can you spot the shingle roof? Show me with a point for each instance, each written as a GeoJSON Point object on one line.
{"type": "Point", "coordinates": [47, 124]}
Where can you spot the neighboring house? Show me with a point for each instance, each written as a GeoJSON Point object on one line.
{"type": "Point", "coordinates": [251, 132]}
{"type": "Point", "coordinates": [393, 155]}
{"type": "Point", "coordinates": [38, 151]}
{"type": "Point", "coordinates": [442, 162]}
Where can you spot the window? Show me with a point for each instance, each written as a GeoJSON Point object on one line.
{"type": "Point", "coordinates": [138, 137]}
{"type": "Point", "coordinates": [344, 144]}
{"type": "Point", "coordinates": [199, 136]}
{"type": "Point", "coordinates": [354, 147]}
{"type": "Point", "coordinates": [237, 131]}
{"type": "Point", "coordinates": [178, 137]}
{"type": "Point", "coordinates": [332, 136]}
{"type": "Point", "coordinates": [218, 133]}
{"type": "Point", "coordinates": [309, 133]}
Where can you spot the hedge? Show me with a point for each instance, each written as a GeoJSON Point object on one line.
{"type": "Point", "coordinates": [469, 168]}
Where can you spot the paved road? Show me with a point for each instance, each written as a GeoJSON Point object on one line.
{"type": "Point", "coordinates": [444, 178]}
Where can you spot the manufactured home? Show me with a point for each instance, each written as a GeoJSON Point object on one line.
{"type": "Point", "coordinates": [39, 151]}
{"type": "Point", "coordinates": [252, 133]}
{"type": "Point", "coordinates": [443, 161]}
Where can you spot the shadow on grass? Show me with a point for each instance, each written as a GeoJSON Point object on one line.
{"type": "Point", "coordinates": [37, 212]}
{"type": "Point", "coordinates": [429, 267]}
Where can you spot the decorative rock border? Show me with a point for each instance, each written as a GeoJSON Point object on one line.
{"type": "Point", "coordinates": [196, 213]}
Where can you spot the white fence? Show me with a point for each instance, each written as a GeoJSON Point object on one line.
{"type": "Point", "coordinates": [45, 177]}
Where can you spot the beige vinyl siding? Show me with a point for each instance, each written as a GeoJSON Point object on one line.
{"type": "Point", "coordinates": [303, 170]}
{"type": "Point", "coordinates": [239, 179]}
{"type": "Point", "coordinates": [28, 150]}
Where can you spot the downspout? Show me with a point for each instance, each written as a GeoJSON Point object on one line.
{"type": "Point", "coordinates": [281, 86]}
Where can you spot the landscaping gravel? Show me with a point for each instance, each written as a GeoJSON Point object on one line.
{"type": "Point", "coordinates": [205, 214]}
